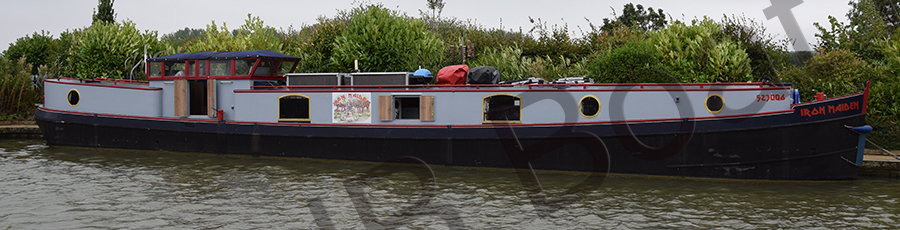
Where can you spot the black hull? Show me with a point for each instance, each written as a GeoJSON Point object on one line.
{"type": "Point", "coordinates": [769, 147]}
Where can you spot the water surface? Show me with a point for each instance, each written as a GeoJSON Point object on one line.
{"type": "Point", "coordinates": [45, 187]}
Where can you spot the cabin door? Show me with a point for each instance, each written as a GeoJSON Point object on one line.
{"type": "Point", "coordinates": [199, 101]}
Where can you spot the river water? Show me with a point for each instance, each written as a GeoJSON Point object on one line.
{"type": "Point", "coordinates": [45, 187]}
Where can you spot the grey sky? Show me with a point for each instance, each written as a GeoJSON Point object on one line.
{"type": "Point", "coordinates": [20, 18]}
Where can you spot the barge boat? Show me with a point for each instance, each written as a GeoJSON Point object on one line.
{"type": "Point", "coordinates": [250, 103]}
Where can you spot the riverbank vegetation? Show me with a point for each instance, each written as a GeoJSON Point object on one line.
{"type": "Point", "coordinates": [639, 45]}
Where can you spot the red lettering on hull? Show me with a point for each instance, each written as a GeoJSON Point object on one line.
{"type": "Point", "coordinates": [831, 109]}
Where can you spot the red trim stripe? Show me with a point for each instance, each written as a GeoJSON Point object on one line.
{"type": "Point", "coordinates": [372, 89]}
{"type": "Point", "coordinates": [255, 77]}
{"type": "Point", "coordinates": [421, 126]}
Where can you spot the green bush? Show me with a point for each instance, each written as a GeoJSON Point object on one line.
{"type": "Point", "coordinates": [766, 54]}
{"type": "Point", "coordinates": [17, 95]}
{"type": "Point", "coordinates": [604, 41]}
{"type": "Point", "coordinates": [701, 53]}
{"type": "Point", "coordinates": [834, 73]}
{"type": "Point", "coordinates": [634, 62]}
{"type": "Point", "coordinates": [102, 49]}
{"type": "Point", "coordinates": [383, 40]}
{"type": "Point", "coordinates": [884, 113]}
{"type": "Point", "coordinates": [317, 45]}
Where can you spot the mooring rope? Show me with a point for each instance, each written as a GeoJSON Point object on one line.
{"type": "Point", "coordinates": [876, 145]}
{"type": "Point", "coordinates": [885, 150]}
{"type": "Point", "coordinates": [851, 162]}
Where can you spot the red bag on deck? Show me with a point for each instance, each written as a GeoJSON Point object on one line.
{"type": "Point", "coordinates": [452, 75]}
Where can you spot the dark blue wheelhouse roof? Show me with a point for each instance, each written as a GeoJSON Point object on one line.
{"type": "Point", "coordinates": [207, 55]}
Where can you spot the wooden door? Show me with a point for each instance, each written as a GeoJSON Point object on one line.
{"type": "Point", "coordinates": [211, 97]}
{"type": "Point", "coordinates": [385, 108]}
{"type": "Point", "coordinates": [181, 98]}
{"type": "Point", "coordinates": [426, 108]}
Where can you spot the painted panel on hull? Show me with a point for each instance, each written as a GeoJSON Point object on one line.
{"type": "Point", "coordinates": [351, 108]}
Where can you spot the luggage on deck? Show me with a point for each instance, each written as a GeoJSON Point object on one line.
{"type": "Point", "coordinates": [452, 75]}
{"type": "Point", "coordinates": [483, 75]}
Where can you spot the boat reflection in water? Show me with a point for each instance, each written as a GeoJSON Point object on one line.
{"type": "Point", "coordinates": [60, 187]}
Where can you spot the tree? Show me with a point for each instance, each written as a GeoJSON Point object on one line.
{"type": "Point", "coordinates": [889, 10]}
{"type": "Point", "coordinates": [253, 35]}
{"type": "Point", "coordinates": [102, 49]}
{"type": "Point", "coordinates": [104, 12]}
{"type": "Point", "coordinates": [436, 6]}
{"type": "Point", "coordinates": [866, 26]}
{"type": "Point", "coordinates": [638, 17]}
{"type": "Point", "coordinates": [183, 37]}
{"type": "Point", "coordinates": [38, 49]}
{"type": "Point", "coordinates": [765, 52]}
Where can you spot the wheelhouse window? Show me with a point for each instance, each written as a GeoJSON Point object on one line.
{"type": "Point", "coordinates": [174, 69]}
{"type": "Point", "coordinates": [265, 68]}
{"type": "Point", "coordinates": [201, 68]}
{"type": "Point", "coordinates": [293, 107]}
{"type": "Point", "coordinates": [190, 69]}
{"type": "Point", "coordinates": [285, 67]}
{"type": "Point", "coordinates": [220, 68]}
{"type": "Point", "coordinates": [155, 69]}
{"type": "Point", "coordinates": [502, 108]}
{"type": "Point", "coordinates": [242, 67]}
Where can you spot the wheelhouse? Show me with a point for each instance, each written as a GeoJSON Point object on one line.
{"type": "Point", "coordinates": [258, 64]}
{"type": "Point", "coordinates": [195, 79]}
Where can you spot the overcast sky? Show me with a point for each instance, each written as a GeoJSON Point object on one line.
{"type": "Point", "coordinates": [21, 18]}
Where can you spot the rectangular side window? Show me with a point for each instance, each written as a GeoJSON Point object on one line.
{"type": "Point", "coordinates": [406, 108]}
{"type": "Point", "coordinates": [502, 109]}
{"type": "Point", "coordinates": [293, 108]}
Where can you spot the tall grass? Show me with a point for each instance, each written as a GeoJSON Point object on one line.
{"type": "Point", "coordinates": [17, 94]}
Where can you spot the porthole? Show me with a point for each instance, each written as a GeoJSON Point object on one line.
{"type": "Point", "coordinates": [589, 106]}
{"type": "Point", "coordinates": [73, 97]}
{"type": "Point", "coordinates": [714, 103]}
